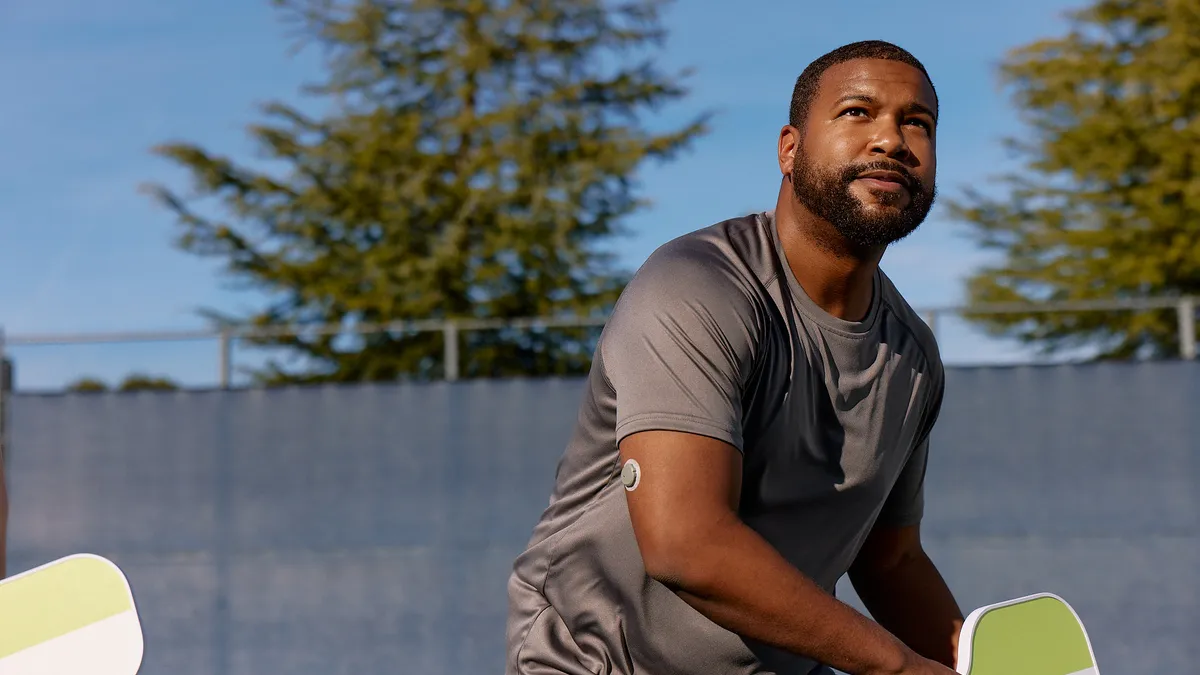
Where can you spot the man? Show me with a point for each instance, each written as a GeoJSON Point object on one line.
{"type": "Point", "coordinates": [756, 424]}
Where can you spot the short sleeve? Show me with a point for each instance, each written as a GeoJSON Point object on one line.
{"type": "Point", "coordinates": [905, 505]}
{"type": "Point", "coordinates": [679, 346]}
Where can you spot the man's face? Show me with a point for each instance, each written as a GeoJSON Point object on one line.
{"type": "Point", "coordinates": [865, 160]}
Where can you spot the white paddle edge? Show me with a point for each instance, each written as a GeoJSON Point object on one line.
{"type": "Point", "coordinates": [967, 634]}
{"type": "Point", "coordinates": [111, 646]}
{"type": "Point", "coordinates": [130, 615]}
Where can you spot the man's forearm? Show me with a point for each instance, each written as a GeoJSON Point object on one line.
{"type": "Point", "coordinates": [912, 601]}
{"type": "Point", "coordinates": [741, 583]}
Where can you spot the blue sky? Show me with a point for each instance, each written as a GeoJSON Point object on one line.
{"type": "Point", "coordinates": [86, 88]}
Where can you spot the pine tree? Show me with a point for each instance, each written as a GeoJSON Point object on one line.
{"type": "Point", "coordinates": [1109, 203]}
{"type": "Point", "coordinates": [474, 160]}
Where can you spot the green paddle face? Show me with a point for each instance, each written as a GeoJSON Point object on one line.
{"type": "Point", "coordinates": [73, 615]}
{"type": "Point", "coordinates": [1034, 635]}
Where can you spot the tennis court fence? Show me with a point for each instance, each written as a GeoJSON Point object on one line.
{"type": "Point", "coordinates": [370, 528]}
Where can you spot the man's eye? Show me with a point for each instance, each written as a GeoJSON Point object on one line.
{"type": "Point", "coordinates": [854, 111]}
{"type": "Point", "coordinates": [922, 123]}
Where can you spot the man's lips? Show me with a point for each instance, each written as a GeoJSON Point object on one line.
{"type": "Point", "coordinates": [884, 180]}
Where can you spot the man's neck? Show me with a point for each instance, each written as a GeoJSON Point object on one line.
{"type": "Point", "coordinates": [836, 278]}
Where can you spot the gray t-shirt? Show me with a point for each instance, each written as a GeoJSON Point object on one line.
{"type": "Point", "coordinates": [714, 336]}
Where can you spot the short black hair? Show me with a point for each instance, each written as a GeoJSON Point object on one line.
{"type": "Point", "coordinates": [806, 84]}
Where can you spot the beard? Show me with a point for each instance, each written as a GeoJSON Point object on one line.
{"type": "Point", "coordinates": [826, 194]}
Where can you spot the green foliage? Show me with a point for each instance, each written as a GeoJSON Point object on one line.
{"type": "Point", "coordinates": [88, 385]}
{"type": "Point", "coordinates": [142, 382]}
{"type": "Point", "coordinates": [1109, 204]}
{"type": "Point", "coordinates": [131, 382]}
{"type": "Point", "coordinates": [473, 159]}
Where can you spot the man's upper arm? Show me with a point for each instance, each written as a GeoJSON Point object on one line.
{"type": "Point", "coordinates": [896, 532]}
{"type": "Point", "coordinates": [689, 489]}
{"type": "Point", "coordinates": [905, 503]}
{"type": "Point", "coordinates": [678, 352]}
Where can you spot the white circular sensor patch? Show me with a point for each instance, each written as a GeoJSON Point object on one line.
{"type": "Point", "coordinates": [631, 474]}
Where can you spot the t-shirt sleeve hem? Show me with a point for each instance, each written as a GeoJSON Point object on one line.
{"type": "Point", "coordinates": [681, 423]}
{"type": "Point", "coordinates": [910, 518]}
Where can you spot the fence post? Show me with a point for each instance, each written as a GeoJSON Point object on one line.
{"type": "Point", "coordinates": [450, 350]}
{"type": "Point", "coordinates": [225, 363]}
{"type": "Point", "coordinates": [931, 318]}
{"type": "Point", "coordinates": [1187, 327]}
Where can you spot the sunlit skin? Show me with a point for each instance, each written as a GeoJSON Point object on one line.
{"type": "Point", "coordinates": [875, 109]}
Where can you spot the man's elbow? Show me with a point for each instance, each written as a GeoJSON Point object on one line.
{"type": "Point", "coordinates": [682, 558]}
{"type": "Point", "coordinates": [666, 565]}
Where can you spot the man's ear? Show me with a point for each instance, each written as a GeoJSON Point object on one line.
{"type": "Point", "coordinates": [789, 144]}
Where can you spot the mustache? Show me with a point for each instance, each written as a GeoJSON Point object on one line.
{"type": "Point", "coordinates": [854, 171]}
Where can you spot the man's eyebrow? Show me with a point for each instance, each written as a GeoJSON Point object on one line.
{"type": "Point", "coordinates": [920, 108]}
{"type": "Point", "coordinates": [865, 98]}
{"type": "Point", "coordinates": [913, 107]}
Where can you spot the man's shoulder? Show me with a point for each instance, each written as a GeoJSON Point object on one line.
{"type": "Point", "coordinates": [726, 258]}
{"type": "Point", "coordinates": [908, 317]}
{"type": "Point", "coordinates": [707, 280]}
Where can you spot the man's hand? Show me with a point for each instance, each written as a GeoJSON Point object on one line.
{"type": "Point", "coordinates": [684, 515]}
{"type": "Point", "coordinates": [924, 666]}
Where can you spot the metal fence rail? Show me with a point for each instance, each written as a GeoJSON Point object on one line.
{"type": "Point", "coordinates": [1185, 308]}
